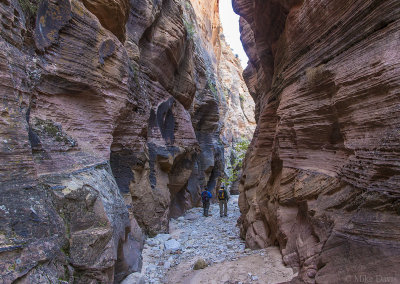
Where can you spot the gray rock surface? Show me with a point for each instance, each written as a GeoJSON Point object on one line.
{"type": "Point", "coordinates": [172, 246]}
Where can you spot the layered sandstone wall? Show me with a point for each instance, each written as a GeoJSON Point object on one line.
{"type": "Point", "coordinates": [110, 124]}
{"type": "Point", "coordinates": [322, 176]}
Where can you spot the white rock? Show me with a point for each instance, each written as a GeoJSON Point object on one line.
{"type": "Point", "coordinates": [172, 245]}
{"type": "Point", "coordinates": [180, 219]}
{"type": "Point", "coordinates": [254, 278]}
{"type": "Point", "coordinates": [167, 265]}
{"type": "Point", "coordinates": [151, 267]}
{"type": "Point", "coordinates": [152, 242]}
{"type": "Point", "coordinates": [163, 237]}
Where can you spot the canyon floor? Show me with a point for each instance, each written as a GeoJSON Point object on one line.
{"type": "Point", "coordinates": [170, 258]}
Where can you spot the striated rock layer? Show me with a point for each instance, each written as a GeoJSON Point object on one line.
{"type": "Point", "coordinates": [110, 123]}
{"type": "Point", "coordinates": [322, 176]}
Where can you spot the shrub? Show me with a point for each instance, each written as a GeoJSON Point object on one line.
{"type": "Point", "coordinates": [239, 152]}
{"type": "Point", "coordinates": [213, 89]}
{"type": "Point", "coordinates": [189, 29]}
{"type": "Point", "coordinates": [28, 7]}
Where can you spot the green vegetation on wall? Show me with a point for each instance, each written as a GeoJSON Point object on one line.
{"type": "Point", "coordinates": [236, 162]}
{"type": "Point", "coordinates": [189, 29]}
{"type": "Point", "coordinates": [213, 89]}
{"type": "Point", "coordinates": [28, 7]}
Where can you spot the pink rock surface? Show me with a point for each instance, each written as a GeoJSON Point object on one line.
{"type": "Point", "coordinates": [322, 174]}
{"type": "Point", "coordinates": [110, 122]}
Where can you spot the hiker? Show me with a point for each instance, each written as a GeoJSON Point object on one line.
{"type": "Point", "coordinates": [223, 201]}
{"type": "Point", "coordinates": [205, 197]}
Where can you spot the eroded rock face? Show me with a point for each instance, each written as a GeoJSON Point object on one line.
{"type": "Point", "coordinates": [63, 216]}
{"type": "Point", "coordinates": [177, 67]}
{"type": "Point", "coordinates": [111, 14]}
{"type": "Point", "coordinates": [322, 176]}
{"type": "Point", "coordinates": [110, 124]}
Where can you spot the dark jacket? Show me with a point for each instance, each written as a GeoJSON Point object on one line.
{"type": "Point", "coordinates": [206, 192]}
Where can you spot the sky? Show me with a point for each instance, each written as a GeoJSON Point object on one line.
{"type": "Point", "coordinates": [230, 24]}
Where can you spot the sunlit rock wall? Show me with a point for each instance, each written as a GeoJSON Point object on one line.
{"type": "Point", "coordinates": [322, 176]}
{"type": "Point", "coordinates": [236, 106]}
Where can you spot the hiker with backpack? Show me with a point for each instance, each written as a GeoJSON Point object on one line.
{"type": "Point", "coordinates": [205, 198]}
{"type": "Point", "coordinates": [223, 201]}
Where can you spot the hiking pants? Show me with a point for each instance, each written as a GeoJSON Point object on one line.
{"type": "Point", "coordinates": [223, 206]}
{"type": "Point", "coordinates": [206, 206]}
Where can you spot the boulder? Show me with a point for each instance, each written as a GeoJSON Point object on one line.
{"type": "Point", "coordinates": [172, 246]}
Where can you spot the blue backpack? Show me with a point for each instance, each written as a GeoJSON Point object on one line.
{"type": "Point", "coordinates": [204, 196]}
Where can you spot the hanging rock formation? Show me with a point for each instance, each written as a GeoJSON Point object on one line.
{"type": "Point", "coordinates": [111, 122]}
{"type": "Point", "coordinates": [322, 176]}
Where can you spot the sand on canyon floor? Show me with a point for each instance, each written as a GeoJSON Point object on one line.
{"type": "Point", "coordinates": [256, 268]}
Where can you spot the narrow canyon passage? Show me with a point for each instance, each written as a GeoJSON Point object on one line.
{"type": "Point", "coordinates": [214, 243]}
{"type": "Point", "coordinates": [115, 115]}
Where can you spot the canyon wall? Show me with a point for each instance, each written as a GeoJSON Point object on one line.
{"type": "Point", "coordinates": [112, 116]}
{"type": "Point", "coordinates": [322, 176]}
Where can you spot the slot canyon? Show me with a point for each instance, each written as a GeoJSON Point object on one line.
{"type": "Point", "coordinates": [115, 115]}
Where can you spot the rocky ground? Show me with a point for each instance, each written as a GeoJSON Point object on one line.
{"type": "Point", "coordinates": [213, 244]}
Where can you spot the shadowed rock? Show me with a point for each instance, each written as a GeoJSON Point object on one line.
{"type": "Point", "coordinates": [111, 14]}
{"type": "Point", "coordinates": [107, 48]}
{"type": "Point", "coordinates": [51, 17]}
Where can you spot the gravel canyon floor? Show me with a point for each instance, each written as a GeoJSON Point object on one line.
{"type": "Point", "coordinates": [170, 258]}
